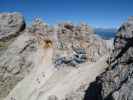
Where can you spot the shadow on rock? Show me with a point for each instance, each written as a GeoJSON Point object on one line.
{"type": "Point", "coordinates": [93, 92]}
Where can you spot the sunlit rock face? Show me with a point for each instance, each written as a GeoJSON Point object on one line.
{"type": "Point", "coordinates": [10, 25]}
{"type": "Point", "coordinates": [16, 62]}
{"type": "Point", "coordinates": [72, 45]}
{"type": "Point", "coordinates": [71, 37]}
{"type": "Point", "coordinates": [116, 82]}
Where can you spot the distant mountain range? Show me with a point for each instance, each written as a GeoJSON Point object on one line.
{"type": "Point", "coordinates": [106, 33]}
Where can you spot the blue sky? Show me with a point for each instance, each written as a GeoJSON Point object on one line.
{"type": "Point", "coordinates": [97, 13]}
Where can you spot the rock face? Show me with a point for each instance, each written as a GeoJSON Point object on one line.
{"type": "Point", "coordinates": [82, 36]}
{"type": "Point", "coordinates": [73, 45]}
{"type": "Point", "coordinates": [116, 83]}
{"type": "Point", "coordinates": [78, 57]}
{"type": "Point", "coordinates": [16, 48]}
{"type": "Point", "coordinates": [10, 25]}
{"type": "Point", "coordinates": [16, 62]}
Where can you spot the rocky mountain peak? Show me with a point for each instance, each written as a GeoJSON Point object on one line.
{"type": "Point", "coordinates": [116, 82]}
{"type": "Point", "coordinates": [11, 24]}
{"type": "Point", "coordinates": [130, 19]}
{"type": "Point", "coordinates": [73, 47]}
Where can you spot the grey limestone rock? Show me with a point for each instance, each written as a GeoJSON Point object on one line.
{"type": "Point", "coordinates": [116, 83]}
{"type": "Point", "coordinates": [11, 24]}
